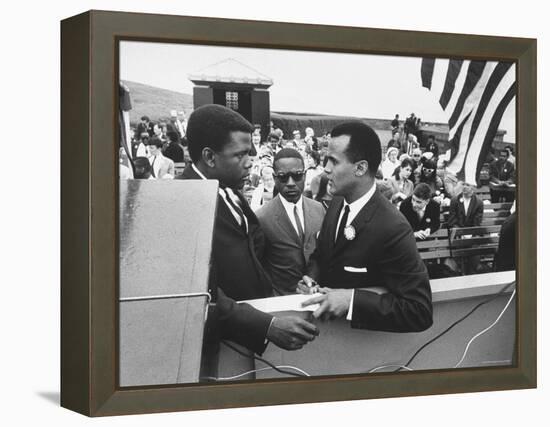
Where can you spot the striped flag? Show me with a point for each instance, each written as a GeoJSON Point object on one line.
{"type": "Point", "coordinates": [474, 96]}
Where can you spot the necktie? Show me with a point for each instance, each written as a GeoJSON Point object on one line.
{"type": "Point", "coordinates": [237, 209]}
{"type": "Point", "coordinates": [343, 223]}
{"type": "Point", "coordinates": [298, 224]}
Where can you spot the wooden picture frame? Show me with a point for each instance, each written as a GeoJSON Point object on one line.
{"type": "Point", "coordinates": [89, 222]}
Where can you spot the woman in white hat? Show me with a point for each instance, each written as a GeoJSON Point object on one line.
{"type": "Point", "coordinates": [391, 163]}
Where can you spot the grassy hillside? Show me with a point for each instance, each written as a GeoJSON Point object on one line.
{"type": "Point", "coordinates": [155, 102]}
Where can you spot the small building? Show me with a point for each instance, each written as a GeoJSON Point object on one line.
{"type": "Point", "coordinates": [237, 86]}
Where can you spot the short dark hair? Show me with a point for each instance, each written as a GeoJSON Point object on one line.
{"type": "Point", "coordinates": [431, 137]}
{"type": "Point", "coordinates": [142, 167]}
{"type": "Point", "coordinates": [173, 136]}
{"type": "Point", "coordinates": [287, 153]}
{"type": "Point", "coordinates": [210, 126]}
{"type": "Point", "coordinates": [316, 157]}
{"type": "Point", "coordinates": [145, 118]}
{"type": "Point", "coordinates": [422, 191]}
{"type": "Point", "coordinates": [364, 143]}
{"type": "Point", "coordinates": [404, 163]}
{"type": "Point", "coordinates": [156, 142]}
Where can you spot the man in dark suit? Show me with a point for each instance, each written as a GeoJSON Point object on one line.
{"type": "Point", "coordinates": [501, 178]}
{"type": "Point", "coordinates": [421, 211]}
{"type": "Point", "coordinates": [219, 144]}
{"type": "Point", "coordinates": [466, 209]}
{"type": "Point", "coordinates": [366, 243]}
{"type": "Point", "coordinates": [290, 222]}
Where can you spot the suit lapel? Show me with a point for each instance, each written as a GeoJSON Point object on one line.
{"type": "Point", "coordinates": [360, 221]}
{"type": "Point", "coordinates": [308, 219]}
{"type": "Point", "coordinates": [284, 221]}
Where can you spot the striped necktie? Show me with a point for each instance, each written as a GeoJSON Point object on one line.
{"type": "Point", "coordinates": [237, 209]}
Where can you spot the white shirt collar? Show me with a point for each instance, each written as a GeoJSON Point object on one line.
{"type": "Point", "coordinates": [199, 173]}
{"type": "Point", "coordinates": [356, 206]}
{"type": "Point", "coordinates": [289, 207]}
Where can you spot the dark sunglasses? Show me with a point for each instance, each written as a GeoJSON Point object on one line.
{"type": "Point", "coordinates": [296, 176]}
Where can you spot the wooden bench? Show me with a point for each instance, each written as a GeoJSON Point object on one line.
{"type": "Point", "coordinates": [493, 214]}
{"type": "Point", "coordinates": [461, 243]}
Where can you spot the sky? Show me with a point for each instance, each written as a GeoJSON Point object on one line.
{"type": "Point", "coordinates": [373, 86]}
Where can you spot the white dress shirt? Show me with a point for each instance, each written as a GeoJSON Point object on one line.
{"type": "Point", "coordinates": [289, 209]}
{"type": "Point", "coordinates": [354, 209]}
{"type": "Point", "coordinates": [466, 202]}
{"type": "Point", "coordinates": [222, 193]}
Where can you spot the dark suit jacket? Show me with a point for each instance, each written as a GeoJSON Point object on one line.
{"type": "Point", "coordinates": [429, 220]}
{"type": "Point", "coordinates": [237, 271]}
{"type": "Point", "coordinates": [286, 256]}
{"type": "Point", "coordinates": [460, 218]}
{"type": "Point", "coordinates": [382, 254]}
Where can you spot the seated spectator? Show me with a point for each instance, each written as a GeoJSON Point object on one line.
{"type": "Point", "coordinates": [410, 144]}
{"type": "Point", "coordinates": [391, 163]}
{"type": "Point", "coordinates": [314, 169]}
{"type": "Point", "coordinates": [142, 168]}
{"type": "Point", "coordinates": [174, 150]}
{"type": "Point", "coordinates": [432, 147]}
{"type": "Point", "coordinates": [143, 126]}
{"type": "Point", "coordinates": [501, 179]}
{"type": "Point", "coordinates": [385, 189]}
{"type": "Point", "coordinates": [161, 167]}
{"type": "Point", "coordinates": [421, 211]}
{"type": "Point", "coordinates": [466, 210]}
{"type": "Point", "coordinates": [428, 175]}
{"type": "Point", "coordinates": [264, 191]}
{"type": "Point", "coordinates": [400, 182]}
{"type": "Point", "coordinates": [511, 157]}
{"type": "Point", "coordinates": [416, 156]}
{"type": "Point", "coordinates": [324, 196]}
{"type": "Point", "coordinates": [273, 140]}
{"type": "Point", "coordinates": [311, 140]}
{"type": "Point", "coordinates": [394, 142]}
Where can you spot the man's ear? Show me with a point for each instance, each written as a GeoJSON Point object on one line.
{"type": "Point", "coordinates": [208, 157]}
{"type": "Point", "coordinates": [361, 168]}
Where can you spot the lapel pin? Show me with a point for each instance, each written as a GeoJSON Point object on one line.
{"type": "Point", "coordinates": [349, 232]}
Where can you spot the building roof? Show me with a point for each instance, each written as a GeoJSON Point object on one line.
{"type": "Point", "coordinates": [230, 71]}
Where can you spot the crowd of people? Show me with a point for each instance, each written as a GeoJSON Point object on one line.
{"type": "Point", "coordinates": [411, 173]}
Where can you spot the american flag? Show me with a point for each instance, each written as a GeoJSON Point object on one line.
{"type": "Point", "coordinates": [474, 96]}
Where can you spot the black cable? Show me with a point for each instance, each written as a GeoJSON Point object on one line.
{"type": "Point", "coordinates": [456, 323]}
{"type": "Point", "coordinates": [282, 371]}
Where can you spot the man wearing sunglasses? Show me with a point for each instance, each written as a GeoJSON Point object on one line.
{"type": "Point", "coordinates": [290, 222]}
{"type": "Point", "coordinates": [220, 141]}
{"type": "Point", "coordinates": [366, 262]}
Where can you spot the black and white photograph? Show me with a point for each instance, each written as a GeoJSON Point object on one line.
{"type": "Point", "coordinates": [288, 213]}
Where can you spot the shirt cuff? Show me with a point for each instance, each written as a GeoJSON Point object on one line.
{"type": "Point", "coordinates": [266, 340]}
{"type": "Point", "coordinates": [350, 309]}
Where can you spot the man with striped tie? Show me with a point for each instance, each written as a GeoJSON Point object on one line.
{"type": "Point", "coordinates": [220, 140]}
